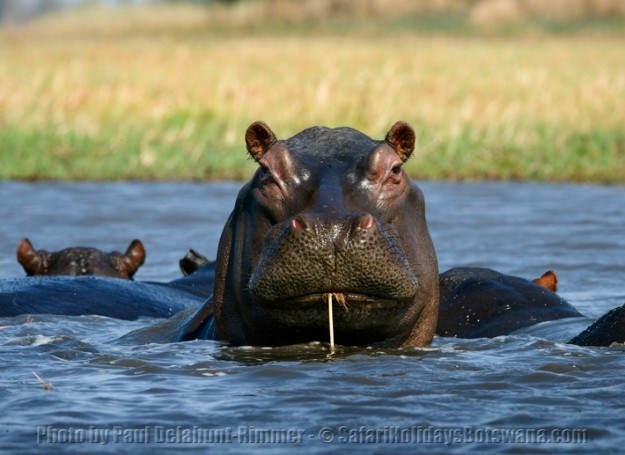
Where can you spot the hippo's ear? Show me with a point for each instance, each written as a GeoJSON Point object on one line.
{"type": "Point", "coordinates": [258, 139]}
{"type": "Point", "coordinates": [548, 280]}
{"type": "Point", "coordinates": [402, 138]}
{"type": "Point", "coordinates": [133, 258]}
{"type": "Point", "coordinates": [192, 261]}
{"type": "Point", "coordinates": [34, 262]}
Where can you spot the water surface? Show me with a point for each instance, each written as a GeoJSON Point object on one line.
{"type": "Point", "coordinates": [510, 394]}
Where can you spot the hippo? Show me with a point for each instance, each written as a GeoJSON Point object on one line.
{"type": "Point", "coordinates": [478, 302]}
{"type": "Point", "coordinates": [608, 330]}
{"type": "Point", "coordinates": [328, 212]}
{"type": "Point", "coordinates": [81, 261]}
{"type": "Point", "coordinates": [80, 280]}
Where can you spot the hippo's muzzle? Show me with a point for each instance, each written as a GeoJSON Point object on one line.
{"type": "Point", "coordinates": [355, 256]}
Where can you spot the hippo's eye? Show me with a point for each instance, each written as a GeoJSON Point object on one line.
{"type": "Point", "coordinates": [396, 169]}
{"type": "Point", "coordinates": [266, 177]}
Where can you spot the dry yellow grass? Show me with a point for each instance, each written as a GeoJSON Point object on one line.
{"type": "Point", "coordinates": [124, 103]}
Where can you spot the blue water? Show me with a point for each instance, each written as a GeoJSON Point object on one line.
{"type": "Point", "coordinates": [515, 394]}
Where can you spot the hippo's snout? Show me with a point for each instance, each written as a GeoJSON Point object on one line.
{"type": "Point", "coordinates": [354, 254]}
{"type": "Point", "coordinates": [333, 234]}
{"type": "Point", "coordinates": [328, 238]}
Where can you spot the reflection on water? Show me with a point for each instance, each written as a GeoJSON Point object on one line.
{"type": "Point", "coordinates": [520, 382]}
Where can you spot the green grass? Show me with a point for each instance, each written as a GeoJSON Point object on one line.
{"type": "Point", "coordinates": [595, 157]}
{"type": "Point", "coordinates": [161, 94]}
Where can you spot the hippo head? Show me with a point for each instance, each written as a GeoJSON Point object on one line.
{"type": "Point", "coordinates": [328, 211]}
{"type": "Point", "coordinates": [81, 261]}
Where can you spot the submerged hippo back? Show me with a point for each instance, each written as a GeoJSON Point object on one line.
{"type": "Point", "coordinates": [477, 302]}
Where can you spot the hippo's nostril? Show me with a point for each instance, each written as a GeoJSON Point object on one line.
{"type": "Point", "coordinates": [366, 221]}
{"type": "Point", "coordinates": [298, 224]}
{"type": "Point", "coordinates": [362, 222]}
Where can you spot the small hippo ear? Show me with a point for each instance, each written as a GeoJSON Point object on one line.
{"type": "Point", "coordinates": [402, 138]}
{"type": "Point", "coordinates": [548, 280]}
{"type": "Point", "coordinates": [133, 258]}
{"type": "Point", "coordinates": [34, 262]}
{"type": "Point", "coordinates": [192, 261]}
{"type": "Point", "coordinates": [258, 139]}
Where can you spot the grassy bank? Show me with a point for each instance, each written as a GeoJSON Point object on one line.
{"type": "Point", "coordinates": [164, 96]}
